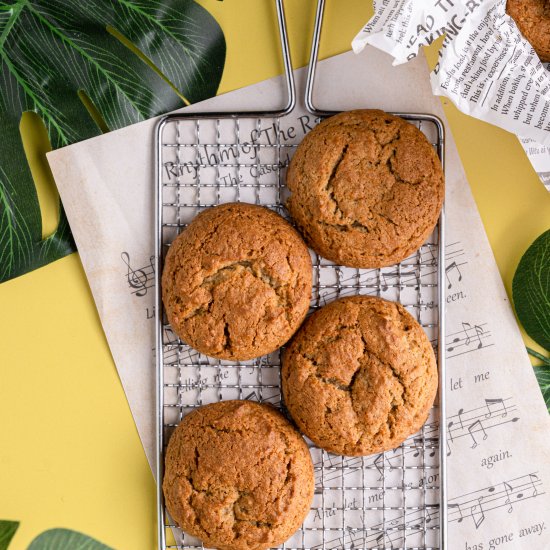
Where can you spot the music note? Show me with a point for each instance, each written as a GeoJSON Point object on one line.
{"type": "Point", "coordinates": [420, 445]}
{"type": "Point", "coordinates": [433, 442]}
{"type": "Point", "coordinates": [479, 333]}
{"type": "Point", "coordinates": [382, 539]}
{"type": "Point", "coordinates": [452, 267]}
{"type": "Point", "coordinates": [521, 488]}
{"type": "Point", "coordinates": [459, 511]}
{"type": "Point", "coordinates": [460, 413]}
{"type": "Point", "coordinates": [455, 341]}
{"type": "Point", "coordinates": [137, 278]}
{"type": "Point", "coordinates": [433, 260]}
{"type": "Point", "coordinates": [478, 515]}
{"type": "Point", "coordinates": [449, 426]}
{"type": "Point", "coordinates": [532, 478]}
{"type": "Point", "coordinates": [508, 488]}
{"type": "Point", "coordinates": [380, 459]}
{"type": "Point", "coordinates": [472, 429]}
{"type": "Point", "coordinates": [355, 537]}
{"type": "Point", "coordinates": [468, 335]}
{"type": "Point", "coordinates": [429, 516]}
{"type": "Point", "coordinates": [252, 396]}
{"type": "Point", "coordinates": [467, 327]}
{"type": "Point", "coordinates": [493, 403]}
{"type": "Point", "coordinates": [390, 465]}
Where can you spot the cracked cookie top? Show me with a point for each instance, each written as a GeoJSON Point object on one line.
{"type": "Point", "coordinates": [360, 376]}
{"type": "Point", "coordinates": [236, 282]}
{"type": "Point", "coordinates": [238, 476]}
{"type": "Point", "coordinates": [533, 20]}
{"type": "Point", "coordinates": [367, 188]}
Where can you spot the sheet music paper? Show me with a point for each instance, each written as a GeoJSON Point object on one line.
{"type": "Point", "coordinates": [498, 447]}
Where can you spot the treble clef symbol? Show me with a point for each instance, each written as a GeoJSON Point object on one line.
{"type": "Point", "coordinates": [137, 278]}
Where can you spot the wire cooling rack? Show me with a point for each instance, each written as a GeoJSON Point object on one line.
{"type": "Point", "coordinates": [391, 500]}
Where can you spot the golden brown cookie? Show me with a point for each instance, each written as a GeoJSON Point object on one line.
{"type": "Point", "coordinates": [237, 282]}
{"type": "Point", "coordinates": [367, 188]}
{"type": "Point", "coordinates": [238, 476]}
{"type": "Point", "coordinates": [360, 376]}
{"type": "Point", "coordinates": [533, 20]}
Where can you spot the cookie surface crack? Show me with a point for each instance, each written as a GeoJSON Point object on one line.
{"type": "Point", "coordinates": [329, 186]}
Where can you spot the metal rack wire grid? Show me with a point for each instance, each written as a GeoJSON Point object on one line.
{"type": "Point", "coordinates": [390, 500]}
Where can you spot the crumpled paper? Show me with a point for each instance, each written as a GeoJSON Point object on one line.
{"type": "Point", "coordinates": [486, 67]}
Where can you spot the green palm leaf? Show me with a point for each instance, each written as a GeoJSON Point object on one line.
{"type": "Point", "coordinates": [52, 50]}
{"type": "Point", "coordinates": [65, 539]}
{"type": "Point", "coordinates": [7, 530]}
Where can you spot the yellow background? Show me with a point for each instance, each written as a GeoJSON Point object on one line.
{"type": "Point", "coordinates": [70, 455]}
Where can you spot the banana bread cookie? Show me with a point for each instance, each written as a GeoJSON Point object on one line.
{"type": "Point", "coordinates": [236, 282]}
{"type": "Point", "coordinates": [238, 476]}
{"type": "Point", "coordinates": [533, 20]}
{"type": "Point", "coordinates": [360, 376]}
{"type": "Point", "coordinates": [367, 188]}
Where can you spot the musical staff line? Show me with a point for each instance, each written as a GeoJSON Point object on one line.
{"type": "Point", "coordinates": [474, 505]}
{"type": "Point", "coordinates": [479, 420]}
{"type": "Point", "coordinates": [416, 272]}
{"type": "Point", "coordinates": [464, 424]}
{"type": "Point", "coordinates": [412, 523]}
{"type": "Point", "coordinates": [471, 337]}
{"type": "Point", "coordinates": [504, 494]}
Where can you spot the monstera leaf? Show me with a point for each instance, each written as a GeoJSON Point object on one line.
{"type": "Point", "coordinates": [65, 539]}
{"type": "Point", "coordinates": [54, 53]}
{"type": "Point", "coordinates": [531, 290]}
{"type": "Point", "coordinates": [53, 539]}
{"type": "Point", "coordinates": [7, 530]}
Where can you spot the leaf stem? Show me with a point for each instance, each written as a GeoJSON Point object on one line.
{"type": "Point", "coordinates": [15, 11]}
{"type": "Point", "coordinates": [545, 360]}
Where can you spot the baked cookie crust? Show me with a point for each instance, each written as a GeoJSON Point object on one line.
{"type": "Point", "coordinates": [533, 20]}
{"type": "Point", "coordinates": [238, 476]}
{"type": "Point", "coordinates": [360, 376]}
{"type": "Point", "coordinates": [367, 188]}
{"type": "Point", "coordinates": [237, 282]}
